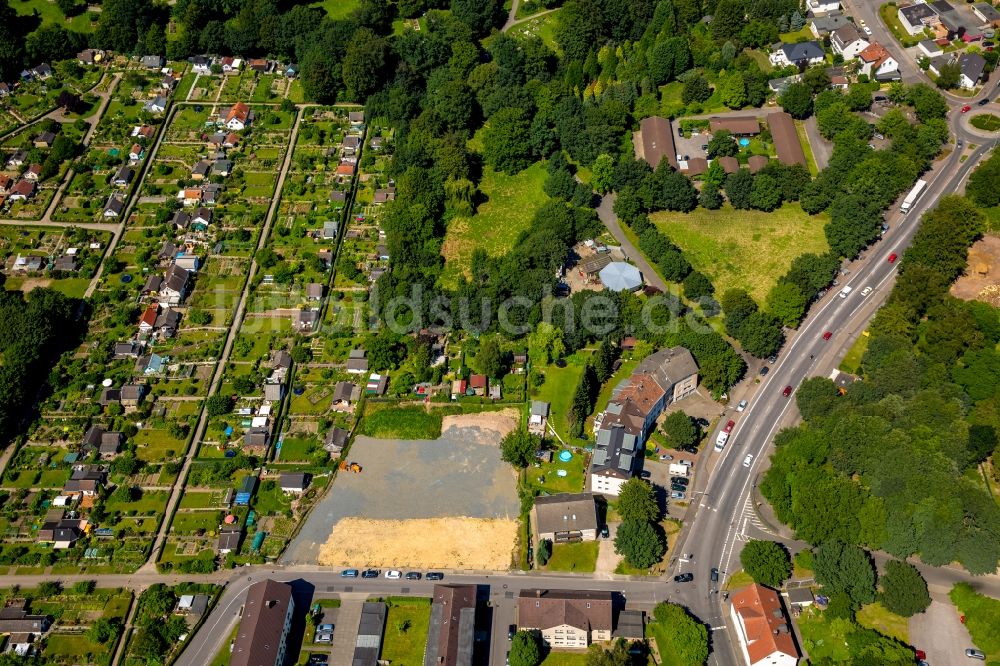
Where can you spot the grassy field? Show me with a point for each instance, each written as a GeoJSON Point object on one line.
{"type": "Point", "coordinates": [745, 249]}
{"type": "Point", "coordinates": [511, 203]}
{"type": "Point", "coordinates": [889, 14]}
{"type": "Point", "coordinates": [337, 9]}
{"type": "Point", "coordinates": [558, 389]}
{"type": "Point", "coordinates": [852, 360]}
{"type": "Point", "coordinates": [50, 14]}
{"type": "Point", "coordinates": [876, 616]}
{"type": "Point", "coordinates": [405, 646]}
{"type": "Point", "coordinates": [800, 130]}
{"type": "Point", "coordinates": [574, 556]}
{"type": "Point", "coordinates": [825, 639]}
{"type": "Point", "coordinates": [986, 121]}
{"type": "Point", "coordinates": [402, 423]}
{"type": "Point", "coordinates": [565, 659]}
{"type": "Point", "coordinates": [982, 617]}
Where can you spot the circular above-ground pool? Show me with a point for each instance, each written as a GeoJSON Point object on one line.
{"type": "Point", "coordinates": [744, 142]}
{"type": "Point", "coordinates": [565, 456]}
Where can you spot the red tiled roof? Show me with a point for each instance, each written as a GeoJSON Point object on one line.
{"type": "Point", "coordinates": [766, 627]}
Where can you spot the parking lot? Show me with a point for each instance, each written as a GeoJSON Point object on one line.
{"type": "Point", "coordinates": [691, 144]}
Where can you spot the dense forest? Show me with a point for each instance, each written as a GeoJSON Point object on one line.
{"type": "Point", "coordinates": [34, 330]}
{"type": "Point", "coordinates": [892, 463]}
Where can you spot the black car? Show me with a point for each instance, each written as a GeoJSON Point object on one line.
{"type": "Point", "coordinates": [434, 575]}
{"type": "Point", "coordinates": [645, 474]}
{"type": "Point", "coordinates": [764, 370]}
{"type": "Point", "coordinates": [984, 101]}
{"type": "Point", "coordinates": [680, 479]}
{"type": "Point", "coordinates": [605, 532]}
{"type": "Point", "coordinates": [318, 659]}
{"type": "Point", "coordinates": [715, 575]}
{"type": "Point", "coordinates": [690, 449]}
{"type": "Point", "coordinates": [413, 575]}
{"type": "Point", "coordinates": [703, 422]}
{"type": "Point", "coordinates": [371, 573]}
{"type": "Point", "coordinates": [684, 578]}
{"type": "Point", "coordinates": [511, 630]}
{"type": "Point", "coordinates": [678, 489]}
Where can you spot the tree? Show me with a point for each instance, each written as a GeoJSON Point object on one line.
{"type": "Point", "coordinates": [104, 630]}
{"type": "Point", "coordinates": [49, 588]}
{"type": "Point", "coordinates": [479, 15]}
{"type": "Point", "coordinates": [602, 173]}
{"type": "Point", "coordinates": [525, 650]}
{"type": "Point", "coordinates": [402, 625]}
{"type": "Point", "coordinates": [739, 186]}
{"type": "Point", "coordinates": [544, 552]}
{"type": "Point", "coordinates": [218, 404]}
{"type": "Point", "coordinates": [732, 90]}
{"type": "Point", "coordinates": [616, 655]}
{"type": "Point", "coordinates": [680, 429]}
{"type": "Point", "coordinates": [385, 350]}
{"type": "Point", "coordinates": [816, 397]}
{"type": "Point", "coordinates": [765, 194]}
{"type": "Point", "coordinates": [787, 302]}
{"type": "Point", "coordinates": [904, 590]}
{"type": "Point", "coordinates": [637, 501]}
{"type": "Point", "coordinates": [696, 90]}
{"type": "Point", "coordinates": [504, 147]}
{"type": "Point", "coordinates": [489, 358]}
{"type": "Point", "coordinates": [641, 544]}
{"type": "Point", "coordinates": [927, 102]}
{"type": "Point", "coordinates": [722, 144]}
{"type": "Point", "coordinates": [697, 285]}
{"type": "Point", "coordinates": [797, 100]}
{"type": "Point", "coordinates": [767, 562]}
{"type": "Point", "coordinates": [761, 335]}
{"type": "Point", "coordinates": [846, 568]}
{"type": "Point", "coordinates": [364, 64]}
{"type": "Point", "coordinates": [949, 76]}
{"type": "Point", "coordinates": [710, 198]}
{"type": "Point", "coordinates": [518, 448]}
{"type": "Point", "coordinates": [688, 637]}
{"type": "Point", "coordinates": [795, 22]}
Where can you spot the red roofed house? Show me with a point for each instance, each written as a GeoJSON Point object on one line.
{"type": "Point", "coordinates": [478, 383]}
{"type": "Point", "coordinates": [763, 629]}
{"type": "Point", "coordinates": [5, 183]}
{"type": "Point", "coordinates": [24, 189]}
{"type": "Point", "coordinates": [231, 141]}
{"type": "Point", "coordinates": [148, 319]}
{"type": "Point", "coordinates": [876, 61]}
{"type": "Point", "coordinates": [240, 115]}
{"type": "Point", "coordinates": [190, 196]}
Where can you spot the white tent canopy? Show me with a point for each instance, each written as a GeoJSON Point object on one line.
{"type": "Point", "coordinates": [620, 276]}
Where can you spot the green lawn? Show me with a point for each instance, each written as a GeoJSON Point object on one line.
{"type": "Point", "coordinates": [825, 639]}
{"type": "Point", "coordinates": [71, 648]}
{"type": "Point", "coordinates": [402, 423]}
{"type": "Point", "coordinates": [579, 557]}
{"type": "Point", "coordinates": [50, 14]}
{"type": "Point", "coordinates": [624, 371]}
{"type": "Point", "coordinates": [511, 203]}
{"type": "Point", "coordinates": [558, 389]}
{"type": "Point", "coordinates": [738, 579]}
{"type": "Point", "coordinates": [802, 35]}
{"type": "Point", "coordinates": [852, 360]}
{"type": "Point", "coordinates": [572, 482]}
{"type": "Point", "coordinates": [982, 617]}
{"type": "Point", "coordinates": [405, 647]}
{"type": "Point", "coordinates": [890, 16]}
{"type": "Point", "coordinates": [565, 659]}
{"type": "Point", "coordinates": [745, 249]}
{"type": "Point", "coordinates": [337, 9]}
{"type": "Point", "coordinates": [876, 616]}
{"type": "Point", "coordinates": [986, 121]}
{"type": "Point", "coordinates": [800, 130]}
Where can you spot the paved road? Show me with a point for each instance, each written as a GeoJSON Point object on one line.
{"type": "Point", "coordinates": [227, 348]}
{"type": "Point", "coordinates": [607, 214]}
{"type": "Point", "coordinates": [721, 523]}
{"type": "Point", "coordinates": [504, 589]}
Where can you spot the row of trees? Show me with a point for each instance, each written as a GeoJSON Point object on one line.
{"type": "Point", "coordinates": [639, 539]}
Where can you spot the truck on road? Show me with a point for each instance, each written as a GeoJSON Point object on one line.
{"type": "Point", "coordinates": [912, 197]}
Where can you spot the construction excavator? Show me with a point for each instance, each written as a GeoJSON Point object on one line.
{"type": "Point", "coordinates": [352, 467]}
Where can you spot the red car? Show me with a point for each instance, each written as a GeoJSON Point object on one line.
{"type": "Point", "coordinates": [827, 335]}
{"type": "Point", "coordinates": [892, 258]}
{"type": "Point", "coordinates": [966, 108]}
{"type": "Point", "coordinates": [729, 426]}
{"type": "Point", "coordinates": [787, 392]}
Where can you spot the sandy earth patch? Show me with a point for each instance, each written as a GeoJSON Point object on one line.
{"type": "Point", "coordinates": [981, 280]}
{"type": "Point", "coordinates": [431, 543]}
{"type": "Point", "coordinates": [501, 422]}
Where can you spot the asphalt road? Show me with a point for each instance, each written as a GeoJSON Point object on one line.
{"type": "Point", "coordinates": [717, 533]}
{"type": "Point", "coordinates": [503, 590]}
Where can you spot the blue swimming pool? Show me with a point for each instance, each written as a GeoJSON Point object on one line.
{"type": "Point", "coordinates": [744, 142]}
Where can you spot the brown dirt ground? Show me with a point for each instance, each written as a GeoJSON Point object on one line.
{"type": "Point", "coordinates": [32, 283]}
{"type": "Point", "coordinates": [433, 543]}
{"type": "Point", "coordinates": [501, 422]}
{"type": "Point", "coordinates": [981, 280]}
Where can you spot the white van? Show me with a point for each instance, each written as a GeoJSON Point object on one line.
{"type": "Point", "coordinates": [844, 292]}
{"type": "Point", "coordinates": [720, 441]}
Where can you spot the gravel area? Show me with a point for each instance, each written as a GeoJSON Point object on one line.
{"type": "Point", "coordinates": [939, 632]}
{"type": "Point", "coordinates": [458, 475]}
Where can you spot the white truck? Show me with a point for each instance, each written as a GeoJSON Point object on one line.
{"type": "Point", "coordinates": [678, 470]}
{"type": "Point", "coordinates": [720, 441]}
{"type": "Point", "coordinates": [912, 197]}
{"type": "Point", "coordinates": [845, 291]}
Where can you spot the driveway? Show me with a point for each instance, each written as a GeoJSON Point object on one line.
{"type": "Point", "coordinates": [606, 212]}
{"type": "Point", "coordinates": [939, 632]}
{"type": "Point", "coordinates": [607, 558]}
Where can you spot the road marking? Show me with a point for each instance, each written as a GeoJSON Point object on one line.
{"type": "Point", "coordinates": [721, 626]}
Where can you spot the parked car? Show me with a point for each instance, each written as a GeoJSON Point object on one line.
{"type": "Point", "coordinates": [703, 422]}
{"type": "Point", "coordinates": [605, 532]}
{"type": "Point", "coordinates": [683, 480]}
{"type": "Point", "coordinates": [693, 450]}
{"type": "Point", "coordinates": [434, 575]}
{"type": "Point", "coordinates": [370, 573]}
{"type": "Point", "coordinates": [715, 575]}
{"type": "Point", "coordinates": [644, 474]}
{"type": "Point", "coordinates": [764, 370]}
{"type": "Point", "coordinates": [748, 460]}
{"type": "Point", "coordinates": [687, 463]}
{"type": "Point", "coordinates": [413, 575]}
{"type": "Point", "coordinates": [666, 456]}
{"type": "Point", "coordinates": [349, 573]}
{"type": "Point", "coordinates": [729, 426]}
{"type": "Point", "coordinates": [318, 659]}
{"type": "Point", "coordinates": [787, 392]}
{"type": "Point", "coordinates": [393, 574]}
{"type": "Point", "coordinates": [827, 335]}
{"type": "Point", "coordinates": [322, 637]}
{"type": "Point", "coordinates": [973, 653]}
{"type": "Point", "coordinates": [677, 495]}
{"type": "Point", "coordinates": [772, 359]}
{"type": "Point", "coordinates": [684, 578]}
{"type": "Point", "coordinates": [743, 405]}
{"type": "Point", "coordinates": [511, 630]}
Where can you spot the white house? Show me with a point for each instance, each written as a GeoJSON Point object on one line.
{"type": "Point", "coordinates": [801, 54]}
{"type": "Point", "coordinates": [930, 48]}
{"type": "Point", "coordinates": [566, 618]}
{"type": "Point", "coordinates": [848, 42]}
{"type": "Point", "coordinates": [238, 117]}
{"type": "Point", "coordinates": [915, 18]}
{"type": "Point", "coordinates": [822, 6]}
{"type": "Point", "coordinates": [763, 630]}
{"type": "Point", "coordinates": [972, 66]}
{"type": "Point", "coordinates": [877, 63]}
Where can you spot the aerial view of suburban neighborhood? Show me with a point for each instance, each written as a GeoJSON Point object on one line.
{"type": "Point", "coordinates": [499, 332]}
